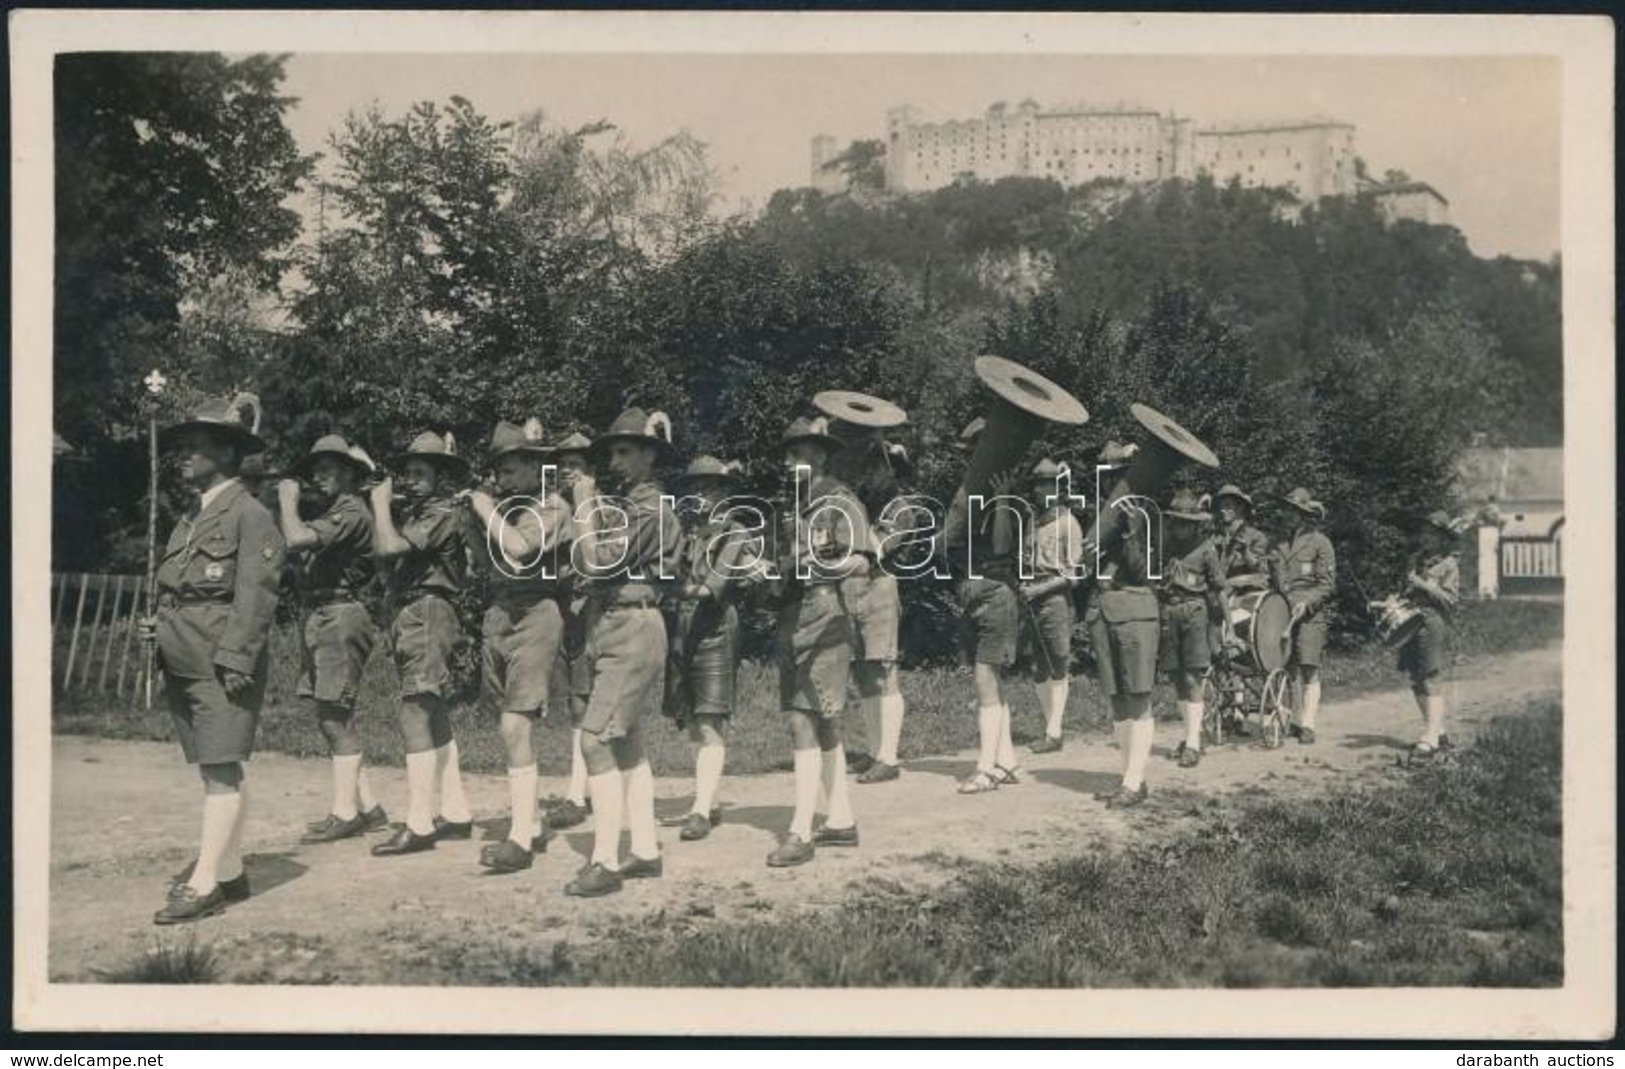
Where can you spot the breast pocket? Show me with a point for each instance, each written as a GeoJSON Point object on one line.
{"type": "Point", "coordinates": [213, 567]}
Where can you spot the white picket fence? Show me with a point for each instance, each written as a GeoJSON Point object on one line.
{"type": "Point", "coordinates": [1541, 559]}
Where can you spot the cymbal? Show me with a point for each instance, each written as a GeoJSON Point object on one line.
{"type": "Point", "coordinates": [1030, 391]}
{"type": "Point", "coordinates": [1173, 435]}
{"type": "Point", "coordinates": [859, 409]}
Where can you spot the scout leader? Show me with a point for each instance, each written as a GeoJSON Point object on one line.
{"type": "Point", "coordinates": [702, 668]}
{"type": "Point", "coordinates": [1434, 586]}
{"type": "Point", "coordinates": [426, 564]}
{"type": "Point", "coordinates": [217, 592]}
{"type": "Point", "coordinates": [573, 456]}
{"type": "Point", "coordinates": [623, 558]}
{"type": "Point", "coordinates": [1191, 594]}
{"type": "Point", "coordinates": [1053, 556]}
{"type": "Point", "coordinates": [518, 542]}
{"type": "Point", "coordinates": [1304, 569]}
{"type": "Point", "coordinates": [334, 570]}
{"type": "Point", "coordinates": [827, 529]}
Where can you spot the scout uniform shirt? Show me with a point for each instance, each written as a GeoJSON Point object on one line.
{"type": "Point", "coordinates": [437, 563]}
{"type": "Point", "coordinates": [1304, 569]}
{"type": "Point", "coordinates": [1243, 550]}
{"type": "Point", "coordinates": [217, 586]}
{"type": "Point", "coordinates": [649, 563]}
{"type": "Point", "coordinates": [1194, 574]}
{"type": "Point", "coordinates": [830, 527]}
{"type": "Point", "coordinates": [339, 567]}
{"type": "Point", "coordinates": [1055, 544]}
{"type": "Point", "coordinates": [709, 555]}
{"type": "Point", "coordinates": [536, 574]}
{"type": "Point", "coordinates": [1445, 573]}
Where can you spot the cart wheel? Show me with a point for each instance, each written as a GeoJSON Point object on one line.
{"type": "Point", "coordinates": [1215, 707]}
{"type": "Point", "coordinates": [1274, 709]}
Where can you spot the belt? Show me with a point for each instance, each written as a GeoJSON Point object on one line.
{"type": "Point", "coordinates": [331, 597]}
{"type": "Point", "coordinates": [618, 604]}
{"type": "Point", "coordinates": [422, 592]}
{"type": "Point", "coordinates": [1181, 597]}
{"type": "Point", "coordinates": [170, 597]}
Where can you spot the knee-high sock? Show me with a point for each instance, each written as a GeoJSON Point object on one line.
{"type": "Point", "coordinates": [1193, 724]}
{"type": "Point", "coordinates": [640, 810]}
{"type": "Point", "coordinates": [807, 766]}
{"type": "Point", "coordinates": [420, 774]}
{"type": "Point", "coordinates": [365, 800]}
{"type": "Point", "coordinates": [988, 723]}
{"type": "Point", "coordinates": [607, 799]}
{"type": "Point", "coordinates": [231, 862]}
{"type": "Point", "coordinates": [522, 801]}
{"type": "Point", "coordinates": [891, 726]}
{"type": "Point", "coordinates": [453, 803]}
{"type": "Point", "coordinates": [346, 775]}
{"type": "Point", "coordinates": [219, 821]}
{"type": "Point", "coordinates": [578, 771]}
{"type": "Point", "coordinates": [1435, 725]}
{"type": "Point", "coordinates": [1141, 732]}
{"type": "Point", "coordinates": [1311, 704]}
{"type": "Point", "coordinates": [1052, 703]}
{"type": "Point", "coordinates": [708, 764]}
{"type": "Point", "coordinates": [832, 764]}
{"type": "Point", "coordinates": [871, 724]}
{"type": "Point", "coordinates": [1123, 731]}
{"type": "Point", "coordinates": [1005, 757]}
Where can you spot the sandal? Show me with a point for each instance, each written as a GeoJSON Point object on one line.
{"type": "Point", "coordinates": [1005, 775]}
{"type": "Point", "coordinates": [981, 783]}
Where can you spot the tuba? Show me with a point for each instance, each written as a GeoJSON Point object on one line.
{"type": "Point", "coordinates": [857, 421]}
{"type": "Point", "coordinates": [1167, 448]}
{"type": "Point", "coordinates": [1023, 401]}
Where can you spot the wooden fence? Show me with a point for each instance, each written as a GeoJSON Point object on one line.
{"type": "Point", "coordinates": [1531, 559]}
{"type": "Point", "coordinates": [94, 622]}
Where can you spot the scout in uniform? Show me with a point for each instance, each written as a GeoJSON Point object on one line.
{"type": "Point", "coordinates": [988, 629]}
{"type": "Point", "coordinates": [1304, 569]}
{"type": "Point", "coordinates": [1433, 586]}
{"type": "Point", "coordinates": [1054, 553]}
{"type": "Point", "coordinates": [702, 669]}
{"type": "Point", "coordinates": [573, 455]}
{"type": "Point", "coordinates": [519, 544]}
{"type": "Point", "coordinates": [1244, 550]}
{"type": "Point", "coordinates": [625, 570]}
{"type": "Point", "coordinates": [1191, 593]}
{"type": "Point", "coordinates": [334, 569]}
{"type": "Point", "coordinates": [815, 638]}
{"type": "Point", "coordinates": [217, 592]}
{"type": "Point", "coordinates": [1124, 630]}
{"type": "Point", "coordinates": [426, 565]}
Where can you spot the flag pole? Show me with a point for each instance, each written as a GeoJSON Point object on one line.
{"type": "Point", "coordinates": [155, 383]}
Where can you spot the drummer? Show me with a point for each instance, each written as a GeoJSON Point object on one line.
{"type": "Point", "coordinates": [1304, 569]}
{"type": "Point", "coordinates": [1190, 594]}
{"type": "Point", "coordinates": [1434, 587]}
{"type": "Point", "coordinates": [1244, 553]}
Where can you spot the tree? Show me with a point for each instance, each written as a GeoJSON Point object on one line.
{"type": "Point", "coordinates": [172, 174]}
{"type": "Point", "coordinates": [862, 164]}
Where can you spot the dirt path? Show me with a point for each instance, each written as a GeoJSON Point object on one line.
{"type": "Point", "coordinates": [124, 816]}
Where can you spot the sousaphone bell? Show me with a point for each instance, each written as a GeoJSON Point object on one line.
{"type": "Point", "coordinates": [857, 420]}
{"type": "Point", "coordinates": [1023, 401]}
{"type": "Point", "coordinates": [1166, 449]}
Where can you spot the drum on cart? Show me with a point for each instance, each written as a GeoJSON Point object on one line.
{"type": "Point", "coordinates": [1260, 619]}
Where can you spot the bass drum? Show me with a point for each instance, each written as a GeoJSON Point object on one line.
{"type": "Point", "coordinates": [1260, 619]}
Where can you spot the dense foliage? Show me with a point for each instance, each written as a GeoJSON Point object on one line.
{"type": "Point", "coordinates": [465, 270]}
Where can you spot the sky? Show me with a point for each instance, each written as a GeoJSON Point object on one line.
{"type": "Point", "coordinates": [1484, 131]}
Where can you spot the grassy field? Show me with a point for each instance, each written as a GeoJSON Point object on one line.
{"type": "Point", "coordinates": [1450, 877]}
{"type": "Point", "coordinates": [939, 720]}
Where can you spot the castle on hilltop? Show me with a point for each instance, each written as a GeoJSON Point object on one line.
{"type": "Point", "coordinates": [1311, 157]}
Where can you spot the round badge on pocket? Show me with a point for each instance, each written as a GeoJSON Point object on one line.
{"type": "Point", "coordinates": [214, 571]}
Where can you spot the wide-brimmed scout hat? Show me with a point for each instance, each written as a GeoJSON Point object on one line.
{"type": "Point", "coordinates": [802, 429]}
{"type": "Point", "coordinates": [335, 446]}
{"type": "Point", "coordinates": [507, 438]}
{"type": "Point", "coordinates": [1184, 506]}
{"type": "Point", "coordinates": [1045, 471]}
{"type": "Point", "coordinates": [235, 419]}
{"type": "Point", "coordinates": [574, 442]}
{"type": "Point", "coordinates": [706, 466]}
{"type": "Point", "coordinates": [1300, 499]}
{"type": "Point", "coordinates": [636, 425]}
{"type": "Point", "coordinates": [1115, 454]}
{"type": "Point", "coordinates": [441, 452]}
{"type": "Point", "coordinates": [1231, 490]}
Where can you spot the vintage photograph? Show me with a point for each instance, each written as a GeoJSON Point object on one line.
{"type": "Point", "coordinates": [789, 517]}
